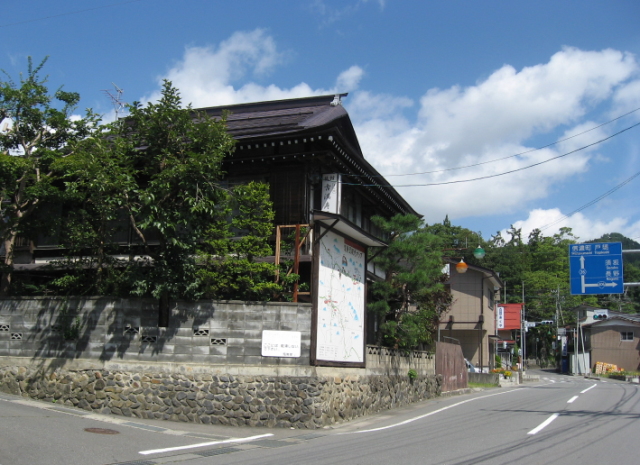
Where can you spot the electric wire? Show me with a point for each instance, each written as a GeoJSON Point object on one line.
{"type": "Point", "coordinates": [507, 157]}
{"type": "Point", "coordinates": [592, 202]}
{"type": "Point", "coordinates": [489, 176]}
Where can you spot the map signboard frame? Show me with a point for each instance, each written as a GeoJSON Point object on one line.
{"type": "Point", "coordinates": [596, 268]}
{"type": "Point", "coordinates": [339, 308]}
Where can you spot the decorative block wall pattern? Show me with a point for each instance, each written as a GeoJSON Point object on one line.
{"type": "Point", "coordinates": [105, 329]}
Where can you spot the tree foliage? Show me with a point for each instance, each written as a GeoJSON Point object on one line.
{"type": "Point", "coordinates": [411, 298]}
{"type": "Point", "coordinates": [231, 248]}
{"type": "Point", "coordinates": [37, 129]}
{"type": "Point", "coordinates": [156, 173]}
{"type": "Point", "coordinates": [159, 170]}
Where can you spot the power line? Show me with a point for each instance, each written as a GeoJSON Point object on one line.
{"type": "Point", "coordinates": [69, 13]}
{"type": "Point", "coordinates": [489, 176]}
{"type": "Point", "coordinates": [509, 156]}
{"type": "Point", "coordinates": [593, 202]}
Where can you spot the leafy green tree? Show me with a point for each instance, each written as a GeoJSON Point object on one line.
{"type": "Point", "coordinates": [159, 169]}
{"type": "Point", "coordinates": [411, 298]}
{"type": "Point", "coordinates": [37, 129]}
{"type": "Point", "coordinates": [628, 302]}
{"type": "Point", "coordinates": [546, 280]}
{"type": "Point", "coordinates": [95, 177]}
{"type": "Point", "coordinates": [231, 249]}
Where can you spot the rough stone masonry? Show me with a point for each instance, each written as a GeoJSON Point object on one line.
{"type": "Point", "coordinates": [299, 402]}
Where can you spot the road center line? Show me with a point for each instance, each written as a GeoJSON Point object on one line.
{"type": "Point", "coordinates": [570, 401]}
{"type": "Point", "coordinates": [544, 424]}
{"type": "Point", "coordinates": [203, 444]}
{"type": "Point", "coordinates": [589, 388]}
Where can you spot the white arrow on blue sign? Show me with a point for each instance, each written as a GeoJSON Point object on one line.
{"type": "Point", "coordinates": [596, 268]}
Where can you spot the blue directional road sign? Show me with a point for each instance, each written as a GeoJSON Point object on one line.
{"type": "Point", "coordinates": [596, 268]}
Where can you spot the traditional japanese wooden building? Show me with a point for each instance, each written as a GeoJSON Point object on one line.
{"type": "Point", "coordinates": [308, 152]}
{"type": "Point", "coordinates": [324, 193]}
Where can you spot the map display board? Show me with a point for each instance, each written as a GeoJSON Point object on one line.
{"type": "Point", "coordinates": [341, 299]}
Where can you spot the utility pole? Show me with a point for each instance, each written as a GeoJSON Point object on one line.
{"type": "Point", "coordinates": [523, 339]}
{"type": "Point", "coordinates": [576, 368]}
{"type": "Point", "coordinates": [558, 348]}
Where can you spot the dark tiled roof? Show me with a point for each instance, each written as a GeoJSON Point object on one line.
{"type": "Point", "coordinates": [279, 117]}
{"type": "Point", "coordinates": [301, 116]}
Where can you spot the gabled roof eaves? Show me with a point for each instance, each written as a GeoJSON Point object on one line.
{"type": "Point", "coordinates": [278, 117]}
{"type": "Point", "coordinates": [293, 117]}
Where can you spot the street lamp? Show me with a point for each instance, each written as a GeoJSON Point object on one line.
{"type": "Point", "coordinates": [479, 252]}
{"type": "Point", "coordinates": [462, 266]}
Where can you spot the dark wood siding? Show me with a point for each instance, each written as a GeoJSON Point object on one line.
{"type": "Point", "coordinates": [289, 194]}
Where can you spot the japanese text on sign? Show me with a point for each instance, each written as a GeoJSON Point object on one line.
{"type": "Point", "coordinates": [281, 343]}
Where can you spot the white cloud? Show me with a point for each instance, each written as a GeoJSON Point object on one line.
{"type": "Point", "coordinates": [582, 227]}
{"type": "Point", "coordinates": [350, 79]}
{"type": "Point", "coordinates": [447, 128]}
{"type": "Point", "coordinates": [222, 75]}
{"type": "Point", "coordinates": [490, 121]}
{"type": "Point", "coordinates": [206, 75]}
{"type": "Point", "coordinates": [333, 14]}
{"type": "Point", "coordinates": [627, 98]}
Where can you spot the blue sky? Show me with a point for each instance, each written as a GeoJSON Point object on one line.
{"type": "Point", "coordinates": [432, 86]}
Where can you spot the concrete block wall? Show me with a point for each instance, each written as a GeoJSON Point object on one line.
{"type": "Point", "coordinates": [393, 362]}
{"type": "Point", "coordinates": [109, 355]}
{"type": "Point", "coordinates": [101, 328]}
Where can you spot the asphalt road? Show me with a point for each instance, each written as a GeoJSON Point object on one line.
{"type": "Point", "coordinates": [559, 419]}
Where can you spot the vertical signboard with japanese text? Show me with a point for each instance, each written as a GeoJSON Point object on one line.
{"type": "Point", "coordinates": [508, 316]}
{"type": "Point", "coordinates": [500, 318]}
{"type": "Point", "coordinates": [341, 301]}
{"type": "Point", "coordinates": [331, 191]}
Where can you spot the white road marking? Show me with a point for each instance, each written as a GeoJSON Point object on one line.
{"type": "Point", "coordinates": [544, 424]}
{"type": "Point", "coordinates": [411, 420]}
{"type": "Point", "coordinates": [204, 444]}
{"type": "Point", "coordinates": [570, 401]}
{"type": "Point", "coordinates": [589, 388]}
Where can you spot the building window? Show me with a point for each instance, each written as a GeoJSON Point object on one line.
{"type": "Point", "coordinates": [626, 335]}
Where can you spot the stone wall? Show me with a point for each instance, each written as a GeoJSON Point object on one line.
{"type": "Point", "coordinates": [108, 355]}
{"type": "Point", "coordinates": [321, 398]}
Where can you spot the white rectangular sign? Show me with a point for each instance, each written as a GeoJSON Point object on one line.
{"type": "Point", "coordinates": [500, 317]}
{"type": "Point", "coordinates": [281, 343]}
{"type": "Point", "coordinates": [331, 189]}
